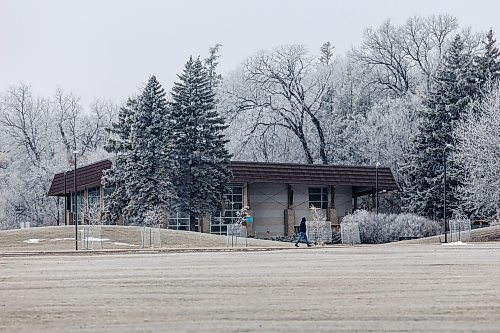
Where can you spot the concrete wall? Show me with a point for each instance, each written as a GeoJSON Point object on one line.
{"type": "Point", "coordinates": [268, 203]}
{"type": "Point", "coordinates": [271, 213]}
{"type": "Point", "coordinates": [270, 210]}
{"type": "Point", "coordinates": [300, 202]}
{"type": "Point", "coordinates": [343, 200]}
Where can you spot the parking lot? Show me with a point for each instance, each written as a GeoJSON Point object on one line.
{"type": "Point", "coordinates": [424, 287]}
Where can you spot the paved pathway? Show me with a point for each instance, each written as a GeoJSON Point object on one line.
{"type": "Point", "coordinates": [413, 288]}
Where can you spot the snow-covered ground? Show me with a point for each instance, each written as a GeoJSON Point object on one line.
{"type": "Point", "coordinates": [396, 288]}
{"type": "Point", "coordinates": [455, 243]}
{"type": "Point", "coordinates": [112, 237]}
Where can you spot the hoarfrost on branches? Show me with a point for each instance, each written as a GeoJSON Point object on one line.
{"type": "Point", "coordinates": [319, 230]}
{"type": "Point", "coordinates": [154, 218]}
{"type": "Point", "coordinates": [383, 228]}
{"type": "Point", "coordinates": [478, 153]}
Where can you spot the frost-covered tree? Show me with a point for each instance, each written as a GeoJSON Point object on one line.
{"type": "Point", "coordinates": [487, 63]}
{"type": "Point", "coordinates": [142, 146]}
{"type": "Point", "coordinates": [199, 144]}
{"type": "Point", "coordinates": [78, 130]}
{"type": "Point", "coordinates": [282, 88]}
{"type": "Point", "coordinates": [119, 145]}
{"type": "Point", "coordinates": [387, 133]}
{"type": "Point", "coordinates": [478, 153]}
{"type": "Point", "coordinates": [346, 105]}
{"type": "Point", "coordinates": [30, 158]}
{"type": "Point", "coordinates": [404, 58]}
{"type": "Point", "coordinates": [211, 64]}
{"type": "Point", "coordinates": [38, 138]}
{"type": "Point", "coordinates": [455, 87]}
{"type": "Point", "coordinates": [326, 53]}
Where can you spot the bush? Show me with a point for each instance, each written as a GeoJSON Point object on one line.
{"type": "Point", "coordinates": [385, 228]}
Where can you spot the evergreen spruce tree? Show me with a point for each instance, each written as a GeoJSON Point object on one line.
{"type": "Point", "coordinates": [211, 63]}
{"type": "Point", "coordinates": [326, 53]}
{"type": "Point", "coordinates": [143, 166]}
{"type": "Point", "coordinates": [199, 144]}
{"type": "Point", "coordinates": [455, 87]}
{"type": "Point", "coordinates": [119, 145]}
{"type": "Point", "coordinates": [487, 64]}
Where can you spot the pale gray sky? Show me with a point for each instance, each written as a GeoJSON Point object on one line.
{"type": "Point", "coordinates": [99, 48]}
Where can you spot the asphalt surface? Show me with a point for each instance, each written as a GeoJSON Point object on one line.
{"type": "Point", "coordinates": [385, 288]}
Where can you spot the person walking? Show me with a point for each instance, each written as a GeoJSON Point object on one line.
{"type": "Point", "coordinates": [303, 233]}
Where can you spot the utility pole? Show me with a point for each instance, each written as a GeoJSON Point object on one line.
{"type": "Point", "coordinates": [376, 187]}
{"type": "Point", "coordinates": [76, 205]}
{"type": "Point", "coordinates": [444, 193]}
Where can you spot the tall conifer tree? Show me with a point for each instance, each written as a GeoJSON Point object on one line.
{"type": "Point", "coordinates": [143, 167]}
{"type": "Point", "coordinates": [118, 144]}
{"type": "Point", "coordinates": [487, 64]}
{"type": "Point", "coordinates": [200, 145]}
{"type": "Point", "coordinates": [211, 64]}
{"type": "Point", "coordinates": [455, 87]}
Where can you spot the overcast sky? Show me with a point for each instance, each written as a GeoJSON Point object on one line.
{"type": "Point", "coordinates": [108, 49]}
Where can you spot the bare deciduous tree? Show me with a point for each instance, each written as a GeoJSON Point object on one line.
{"type": "Point", "coordinates": [26, 120]}
{"type": "Point", "coordinates": [399, 56]}
{"type": "Point", "coordinates": [80, 131]}
{"type": "Point", "coordinates": [284, 88]}
{"type": "Point", "coordinates": [478, 152]}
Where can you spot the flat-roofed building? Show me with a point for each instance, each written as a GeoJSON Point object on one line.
{"type": "Point", "coordinates": [277, 194]}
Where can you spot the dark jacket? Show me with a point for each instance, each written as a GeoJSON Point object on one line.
{"type": "Point", "coordinates": [302, 227]}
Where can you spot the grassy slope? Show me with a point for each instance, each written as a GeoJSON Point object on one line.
{"type": "Point", "coordinates": [489, 234]}
{"type": "Point", "coordinates": [62, 239]}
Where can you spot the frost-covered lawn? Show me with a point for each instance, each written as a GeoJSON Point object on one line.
{"type": "Point", "coordinates": [394, 287]}
{"type": "Point", "coordinates": [112, 237]}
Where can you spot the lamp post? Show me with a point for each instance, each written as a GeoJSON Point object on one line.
{"type": "Point", "coordinates": [444, 193]}
{"type": "Point", "coordinates": [76, 203]}
{"type": "Point", "coordinates": [376, 187]}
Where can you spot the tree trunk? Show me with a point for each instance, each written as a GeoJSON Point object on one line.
{"type": "Point", "coordinates": [192, 222]}
{"type": "Point", "coordinates": [321, 137]}
{"type": "Point", "coordinates": [307, 152]}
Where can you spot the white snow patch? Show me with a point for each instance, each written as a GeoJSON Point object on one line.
{"type": "Point", "coordinates": [95, 239]}
{"type": "Point", "coordinates": [123, 244]}
{"type": "Point", "coordinates": [455, 243]}
{"type": "Point", "coordinates": [33, 241]}
{"type": "Point", "coordinates": [61, 239]}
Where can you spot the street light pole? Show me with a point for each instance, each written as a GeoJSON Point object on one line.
{"type": "Point", "coordinates": [76, 204]}
{"type": "Point", "coordinates": [444, 193]}
{"type": "Point", "coordinates": [376, 187]}
{"type": "Point", "coordinates": [65, 201]}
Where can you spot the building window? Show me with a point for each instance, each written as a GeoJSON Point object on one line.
{"type": "Point", "coordinates": [94, 205]}
{"type": "Point", "coordinates": [234, 204]}
{"type": "Point", "coordinates": [180, 221]}
{"type": "Point", "coordinates": [80, 203]}
{"type": "Point", "coordinates": [318, 197]}
{"type": "Point", "coordinates": [94, 197]}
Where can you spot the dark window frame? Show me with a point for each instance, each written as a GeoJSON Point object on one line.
{"type": "Point", "coordinates": [319, 197]}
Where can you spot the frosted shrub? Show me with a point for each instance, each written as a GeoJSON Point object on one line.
{"type": "Point", "coordinates": [319, 230]}
{"type": "Point", "coordinates": [349, 233]}
{"type": "Point", "coordinates": [150, 232]}
{"type": "Point", "coordinates": [154, 218]}
{"type": "Point", "coordinates": [92, 212]}
{"type": "Point", "coordinates": [384, 228]}
{"type": "Point", "coordinates": [417, 226]}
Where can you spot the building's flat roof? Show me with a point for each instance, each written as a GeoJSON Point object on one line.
{"type": "Point", "coordinates": [87, 176]}
{"type": "Point", "coordinates": [313, 174]}
{"type": "Point", "coordinates": [255, 172]}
